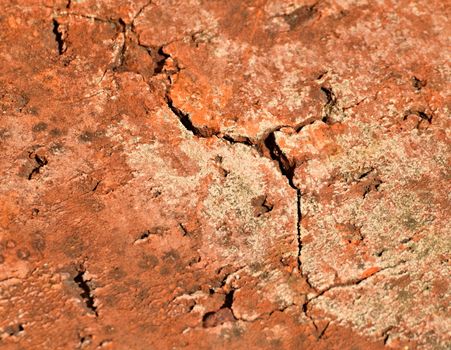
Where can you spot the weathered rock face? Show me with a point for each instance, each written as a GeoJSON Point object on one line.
{"type": "Point", "coordinates": [224, 174]}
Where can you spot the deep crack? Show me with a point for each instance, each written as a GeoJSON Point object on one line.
{"type": "Point", "coordinates": [59, 36]}
{"type": "Point", "coordinates": [286, 167]}
{"type": "Point", "coordinates": [266, 147]}
{"type": "Point", "coordinates": [298, 227]}
{"type": "Point", "coordinates": [86, 292]}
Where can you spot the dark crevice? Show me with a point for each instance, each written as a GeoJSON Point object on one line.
{"type": "Point", "coordinates": [160, 63]}
{"type": "Point", "coordinates": [96, 186]}
{"type": "Point", "coordinates": [286, 167]}
{"type": "Point", "coordinates": [40, 162]}
{"type": "Point", "coordinates": [223, 314]}
{"type": "Point", "coordinates": [321, 75]}
{"type": "Point", "coordinates": [244, 140]}
{"type": "Point", "coordinates": [268, 147]}
{"type": "Point", "coordinates": [305, 123]}
{"type": "Point", "coordinates": [143, 236]}
{"type": "Point", "coordinates": [386, 334]}
{"type": "Point", "coordinates": [418, 84]}
{"type": "Point", "coordinates": [186, 121]}
{"type": "Point", "coordinates": [57, 31]}
{"type": "Point", "coordinates": [365, 174]}
{"type": "Point", "coordinates": [386, 337]}
{"type": "Point", "coordinates": [298, 227]}
{"type": "Point", "coordinates": [261, 205]}
{"type": "Point", "coordinates": [86, 292]}
{"type": "Point", "coordinates": [14, 330]}
{"type": "Point", "coordinates": [84, 340]}
{"type": "Point", "coordinates": [421, 114]}
{"type": "Point", "coordinates": [228, 300]}
{"type": "Point", "coordinates": [183, 230]}
{"type": "Point", "coordinates": [266, 207]}
{"type": "Point", "coordinates": [331, 102]}
{"type": "Point", "coordinates": [207, 317]}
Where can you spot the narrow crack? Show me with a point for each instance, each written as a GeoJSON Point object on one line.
{"type": "Point", "coordinates": [285, 166]}
{"type": "Point", "coordinates": [267, 147]}
{"type": "Point", "coordinates": [349, 283]}
{"type": "Point", "coordinates": [298, 230]}
{"type": "Point", "coordinates": [138, 13]}
{"type": "Point", "coordinates": [323, 332]}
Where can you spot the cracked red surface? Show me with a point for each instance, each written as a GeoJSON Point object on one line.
{"type": "Point", "coordinates": [207, 174]}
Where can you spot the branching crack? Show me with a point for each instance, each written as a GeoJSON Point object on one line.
{"type": "Point", "coordinates": [40, 163]}
{"type": "Point", "coordinates": [349, 283]}
{"type": "Point", "coordinates": [267, 146]}
{"type": "Point", "coordinates": [286, 167]}
{"type": "Point", "coordinates": [323, 332]}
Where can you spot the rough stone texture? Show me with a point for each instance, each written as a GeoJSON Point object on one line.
{"type": "Point", "coordinates": [224, 174]}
